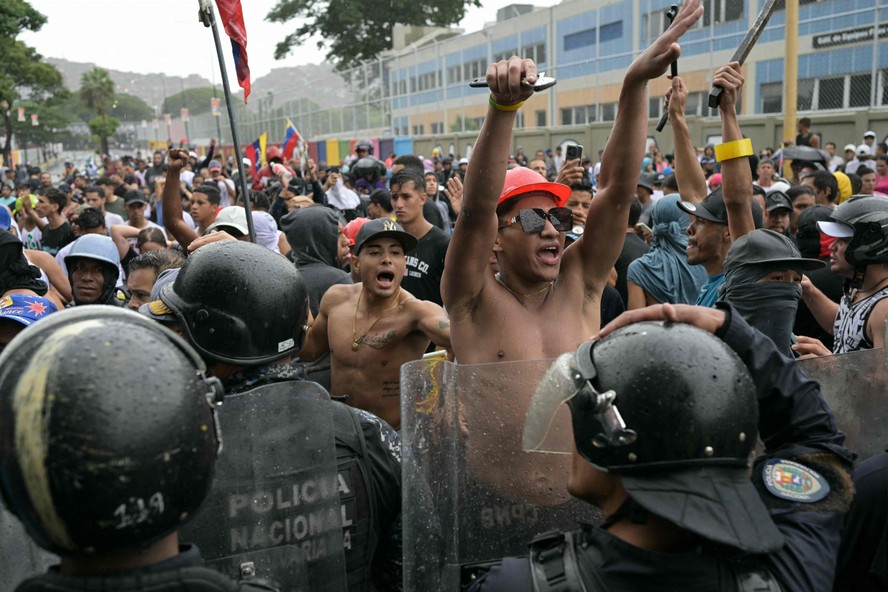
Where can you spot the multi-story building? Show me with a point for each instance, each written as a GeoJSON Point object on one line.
{"type": "Point", "coordinates": [588, 45]}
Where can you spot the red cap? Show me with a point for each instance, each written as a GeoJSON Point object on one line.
{"type": "Point", "coordinates": [351, 229]}
{"type": "Point", "coordinates": [521, 180]}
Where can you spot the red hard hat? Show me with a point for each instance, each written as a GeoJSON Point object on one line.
{"type": "Point", "coordinates": [522, 180]}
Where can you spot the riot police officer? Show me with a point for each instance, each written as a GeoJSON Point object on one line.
{"type": "Point", "coordinates": [244, 309]}
{"type": "Point", "coordinates": [104, 467]}
{"type": "Point", "coordinates": [665, 421]}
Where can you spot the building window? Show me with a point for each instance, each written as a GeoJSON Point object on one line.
{"type": "Point", "coordinates": [419, 130]}
{"type": "Point", "coordinates": [806, 94]}
{"type": "Point", "coordinates": [772, 97]}
{"type": "Point", "coordinates": [535, 52]}
{"type": "Point", "coordinates": [581, 39]}
{"type": "Point", "coordinates": [861, 89]}
{"type": "Point", "coordinates": [541, 116]}
{"type": "Point", "coordinates": [567, 116]}
{"type": "Point", "coordinates": [474, 69]}
{"type": "Point", "coordinates": [454, 74]}
{"type": "Point", "coordinates": [608, 111]}
{"type": "Point", "coordinates": [437, 128]}
{"type": "Point", "coordinates": [831, 93]}
{"type": "Point", "coordinates": [655, 105]}
{"type": "Point", "coordinates": [610, 31]}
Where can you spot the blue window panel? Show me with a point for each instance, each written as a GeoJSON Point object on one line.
{"type": "Point", "coordinates": [565, 72]}
{"type": "Point", "coordinates": [474, 53]}
{"type": "Point", "coordinates": [533, 36]}
{"type": "Point", "coordinates": [579, 40]}
{"type": "Point", "coordinates": [610, 31]}
{"type": "Point", "coordinates": [426, 67]}
{"type": "Point", "coordinates": [453, 59]}
{"type": "Point", "coordinates": [426, 97]}
{"type": "Point", "coordinates": [501, 45]}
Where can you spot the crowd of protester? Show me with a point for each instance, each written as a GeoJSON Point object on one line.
{"type": "Point", "coordinates": [392, 252]}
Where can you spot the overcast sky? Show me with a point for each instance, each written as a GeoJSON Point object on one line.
{"type": "Point", "coordinates": [148, 36]}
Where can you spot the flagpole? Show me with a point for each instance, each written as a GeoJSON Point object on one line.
{"type": "Point", "coordinates": [208, 18]}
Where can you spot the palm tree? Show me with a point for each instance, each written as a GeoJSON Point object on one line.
{"type": "Point", "coordinates": [97, 92]}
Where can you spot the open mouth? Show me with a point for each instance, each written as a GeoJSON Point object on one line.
{"type": "Point", "coordinates": [549, 254]}
{"type": "Point", "coordinates": [385, 279]}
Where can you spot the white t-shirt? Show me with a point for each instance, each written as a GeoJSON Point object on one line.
{"type": "Point", "coordinates": [133, 242]}
{"type": "Point", "coordinates": [112, 219]}
{"type": "Point", "coordinates": [32, 239]}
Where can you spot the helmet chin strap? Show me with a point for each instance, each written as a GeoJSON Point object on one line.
{"type": "Point", "coordinates": [856, 280]}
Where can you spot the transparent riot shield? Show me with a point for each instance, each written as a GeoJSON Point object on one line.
{"type": "Point", "coordinates": [274, 511]}
{"type": "Point", "coordinates": [856, 387]}
{"type": "Point", "coordinates": [471, 494]}
{"type": "Point", "coordinates": [20, 557]}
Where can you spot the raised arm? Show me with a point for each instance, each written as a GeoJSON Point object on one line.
{"type": "Point", "coordinates": [621, 162]}
{"type": "Point", "coordinates": [317, 340]}
{"type": "Point", "coordinates": [688, 172]}
{"type": "Point", "coordinates": [475, 231]}
{"type": "Point", "coordinates": [736, 174]}
{"type": "Point", "coordinates": [172, 203]}
{"type": "Point", "coordinates": [120, 234]}
{"type": "Point", "coordinates": [434, 323]}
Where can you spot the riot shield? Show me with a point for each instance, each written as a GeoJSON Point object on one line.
{"type": "Point", "coordinates": [20, 557]}
{"type": "Point", "coordinates": [471, 494]}
{"type": "Point", "coordinates": [274, 511]}
{"type": "Point", "coordinates": [856, 387]}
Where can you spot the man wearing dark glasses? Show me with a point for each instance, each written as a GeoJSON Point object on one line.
{"type": "Point", "coordinates": [545, 299]}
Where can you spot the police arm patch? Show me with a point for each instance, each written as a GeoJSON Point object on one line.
{"type": "Point", "coordinates": [794, 482]}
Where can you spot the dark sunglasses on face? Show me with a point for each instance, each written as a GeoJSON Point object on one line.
{"type": "Point", "coordinates": [533, 220]}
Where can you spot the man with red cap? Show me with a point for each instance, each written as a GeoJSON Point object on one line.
{"type": "Point", "coordinates": [545, 300]}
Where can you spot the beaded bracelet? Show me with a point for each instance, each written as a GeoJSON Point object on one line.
{"type": "Point", "coordinates": [735, 149]}
{"type": "Point", "coordinates": [499, 107]}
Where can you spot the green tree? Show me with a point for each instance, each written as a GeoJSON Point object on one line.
{"type": "Point", "coordinates": [127, 107]}
{"type": "Point", "coordinates": [55, 122]}
{"type": "Point", "coordinates": [356, 32]}
{"type": "Point", "coordinates": [197, 100]}
{"type": "Point", "coordinates": [97, 92]}
{"type": "Point", "coordinates": [22, 70]}
{"type": "Point", "coordinates": [103, 127]}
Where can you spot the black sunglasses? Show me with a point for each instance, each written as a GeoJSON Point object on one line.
{"type": "Point", "coordinates": [533, 220]}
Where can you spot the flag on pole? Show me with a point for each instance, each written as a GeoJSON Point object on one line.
{"type": "Point", "coordinates": [232, 15]}
{"type": "Point", "coordinates": [292, 139]}
{"type": "Point", "coordinates": [252, 152]}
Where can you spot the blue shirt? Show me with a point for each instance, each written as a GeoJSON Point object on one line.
{"type": "Point", "coordinates": [709, 291]}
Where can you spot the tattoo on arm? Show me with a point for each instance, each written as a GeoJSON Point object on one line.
{"type": "Point", "coordinates": [443, 323]}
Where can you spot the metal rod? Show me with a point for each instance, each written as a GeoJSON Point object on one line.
{"type": "Point", "coordinates": [208, 18]}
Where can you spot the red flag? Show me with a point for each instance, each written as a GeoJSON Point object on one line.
{"type": "Point", "coordinates": [232, 16]}
{"type": "Point", "coordinates": [291, 140]}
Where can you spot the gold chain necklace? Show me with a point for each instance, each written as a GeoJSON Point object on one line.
{"type": "Point", "coordinates": [499, 280]}
{"type": "Point", "coordinates": [357, 341]}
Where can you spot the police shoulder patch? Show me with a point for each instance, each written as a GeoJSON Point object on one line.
{"type": "Point", "coordinates": [793, 481]}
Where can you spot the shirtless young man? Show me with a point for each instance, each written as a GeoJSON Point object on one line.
{"type": "Point", "coordinates": [545, 300]}
{"type": "Point", "coordinates": [374, 327]}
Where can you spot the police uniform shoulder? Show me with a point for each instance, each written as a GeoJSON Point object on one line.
{"type": "Point", "coordinates": [378, 430]}
{"type": "Point", "coordinates": [512, 574]}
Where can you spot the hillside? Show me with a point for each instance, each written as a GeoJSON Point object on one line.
{"type": "Point", "coordinates": [318, 83]}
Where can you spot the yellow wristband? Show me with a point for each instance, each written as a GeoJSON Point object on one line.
{"type": "Point", "coordinates": [735, 149]}
{"type": "Point", "coordinates": [499, 107]}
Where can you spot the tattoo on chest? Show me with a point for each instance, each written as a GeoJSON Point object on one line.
{"type": "Point", "coordinates": [391, 388]}
{"type": "Point", "coordinates": [378, 342]}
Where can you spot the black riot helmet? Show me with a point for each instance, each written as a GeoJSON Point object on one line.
{"type": "Point", "coordinates": [673, 411]}
{"type": "Point", "coordinates": [101, 451]}
{"type": "Point", "coordinates": [865, 220]}
{"type": "Point", "coordinates": [239, 303]}
{"type": "Point", "coordinates": [364, 145]}
{"type": "Point", "coordinates": [369, 166]}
